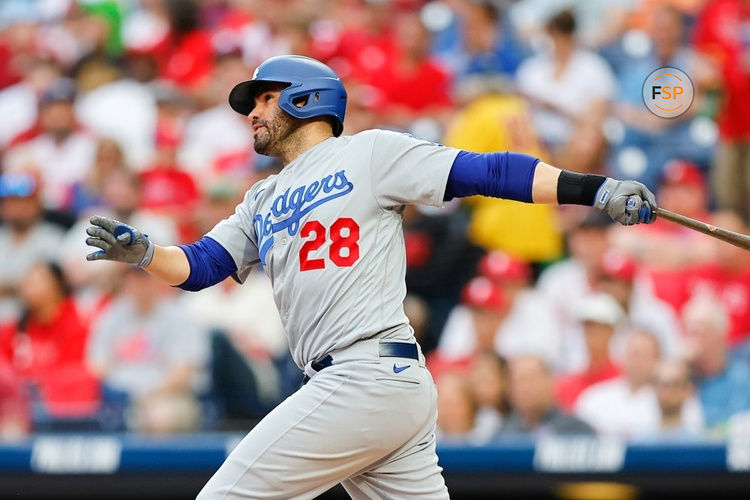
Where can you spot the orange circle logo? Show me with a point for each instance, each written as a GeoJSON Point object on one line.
{"type": "Point", "coordinates": [668, 92]}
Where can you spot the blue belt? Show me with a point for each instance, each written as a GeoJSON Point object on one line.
{"type": "Point", "coordinates": [385, 350]}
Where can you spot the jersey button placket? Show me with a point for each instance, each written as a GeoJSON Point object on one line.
{"type": "Point", "coordinates": [280, 238]}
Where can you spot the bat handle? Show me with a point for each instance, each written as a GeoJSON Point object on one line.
{"type": "Point", "coordinates": [736, 239]}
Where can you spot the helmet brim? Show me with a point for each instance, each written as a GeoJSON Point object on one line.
{"type": "Point", "coordinates": [242, 96]}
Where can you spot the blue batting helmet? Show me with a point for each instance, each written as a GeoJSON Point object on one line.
{"type": "Point", "coordinates": [309, 81]}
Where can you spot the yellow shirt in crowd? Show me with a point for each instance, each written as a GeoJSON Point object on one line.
{"type": "Point", "coordinates": [500, 123]}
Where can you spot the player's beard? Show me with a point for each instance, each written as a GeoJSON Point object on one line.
{"type": "Point", "coordinates": [270, 139]}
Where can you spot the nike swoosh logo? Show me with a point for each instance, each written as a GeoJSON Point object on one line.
{"type": "Point", "coordinates": [399, 369]}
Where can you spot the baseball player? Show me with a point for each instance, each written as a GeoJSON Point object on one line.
{"type": "Point", "coordinates": [327, 232]}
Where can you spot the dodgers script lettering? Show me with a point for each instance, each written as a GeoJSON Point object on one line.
{"type": "Point", "coordinates": [290, 207]}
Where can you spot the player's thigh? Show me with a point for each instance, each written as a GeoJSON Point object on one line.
{"type": "Point", "coordinates": [412, 471]}
{"type": "Point", "coordinates": [337, 425]}
{"type": "Point", "coordinates": [276, 458]}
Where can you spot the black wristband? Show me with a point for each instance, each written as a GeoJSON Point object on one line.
{"type": "Point", "coordinates": [578, 189]}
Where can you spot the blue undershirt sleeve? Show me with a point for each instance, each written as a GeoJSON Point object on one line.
{"type": "Point", "coordinates": [210, 263]}
{"type": "Point", "coordinates": [499, 175]}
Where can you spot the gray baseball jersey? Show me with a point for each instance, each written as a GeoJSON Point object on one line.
{"type": "Point", "coordinates": [327, 231]}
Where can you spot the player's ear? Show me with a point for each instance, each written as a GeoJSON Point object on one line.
{"type": "Point", "coordinates": [301, 101]}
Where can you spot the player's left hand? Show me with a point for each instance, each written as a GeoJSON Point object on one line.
{"type": "Point", "coordinates": [627, 202]}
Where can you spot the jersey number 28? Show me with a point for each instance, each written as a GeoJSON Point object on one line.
{"type": "Point", "coordinates": [343, 251]}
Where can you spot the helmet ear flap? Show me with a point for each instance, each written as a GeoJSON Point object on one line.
{"type": "Point", "coordinates": [302, 101]}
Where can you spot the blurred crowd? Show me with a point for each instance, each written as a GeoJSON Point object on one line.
{"type": "Point", "coordinates": [536, 320]}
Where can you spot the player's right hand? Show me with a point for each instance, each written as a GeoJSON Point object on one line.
{"type": "Point", "coordinates": [119, 242]}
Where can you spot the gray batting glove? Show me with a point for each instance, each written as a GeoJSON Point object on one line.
{"type": "Point", "coordinates": [119, 242]}
{"type": "Point", "coordinates": [627, 202]}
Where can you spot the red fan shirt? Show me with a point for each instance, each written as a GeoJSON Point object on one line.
{"type": "Point", "coordinates": [569, 387]}
{"type": "Point", "coordinates": [166, 188]}
{"type": "Point", "coordinates": [722, 32]}
{"type": "Point", "coordinates": [51, 357]}
{"type": "Point", "coordinates": [732, 289]}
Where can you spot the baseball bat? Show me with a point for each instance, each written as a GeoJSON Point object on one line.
{"type": "Point", "coordinates": [736, 239]}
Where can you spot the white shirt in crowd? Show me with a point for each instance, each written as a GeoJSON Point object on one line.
{"type": "Point", "coordinates": [586, 78]}
{"type": "Point", "coordinates": [487, 424]}
{"type": "Point", "coordinates": [42, 243]}
{"type": "Point", "coordinates": [246, 313]}
{"type": "Point", "coordinates": [60, 165]}
{"type": "Point", "coordinates": [566, 287]}
{"type": "Point", "coordinates": [18, 107]}
{"type": "Point", "coordinates": [140, 352]}
{"type": "Point", "coordinates": [614, 409]}
{"type": "Point", "coordinates": [529, 328]}
{"type": "Point", "coordinates": [124, 110]}
{"type": "Point", "coordinates": [649, 312]}
{"type": "Point", "coordinates": [210, 134]}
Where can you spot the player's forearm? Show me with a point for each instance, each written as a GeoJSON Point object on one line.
{"type": "Point", "coordinates": [553, 185]}
{"type": "Point", "coordinates": [192, 267]}
{"type": "Point", "coordinates": [169, 265]}
{"type": "Point", "coordinates": [544, 187]}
